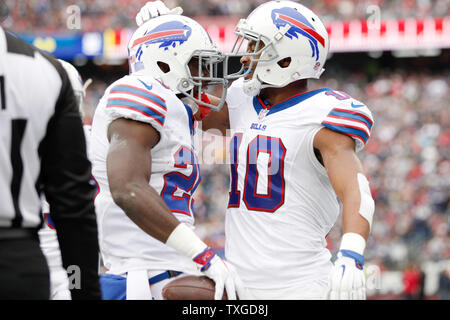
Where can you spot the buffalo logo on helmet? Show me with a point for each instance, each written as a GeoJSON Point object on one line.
{"type": "Point", "coordinates": [167, 34]}
{"type": "Point", "coordinates": [298, 25]}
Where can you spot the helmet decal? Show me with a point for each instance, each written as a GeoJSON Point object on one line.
{"type": "Point", "coordinates": [298, 25]}
{"type": "Point", "coordinates": [135, 60]}
{"type": "Point", "coordinates": [167, 34]}
{"type": "Point", "coordinates": [174, 40]}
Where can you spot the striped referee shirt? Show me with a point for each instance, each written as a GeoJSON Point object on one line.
{"type": "Point", "coordinates": [43, 150]}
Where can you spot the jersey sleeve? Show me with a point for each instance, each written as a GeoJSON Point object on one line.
{"type": "Point", "coordinates": [137, 101]}
{"type": "Point", "coordinates": [352, 119]}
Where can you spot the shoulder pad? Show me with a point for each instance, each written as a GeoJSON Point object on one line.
{"type": "Point", "coordinates": [135, 99]}
{"type": "Point", "coordinates": [349, 116]}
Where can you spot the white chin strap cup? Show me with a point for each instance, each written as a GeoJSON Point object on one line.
{"type": "Point", "coordinates": [252, 87]}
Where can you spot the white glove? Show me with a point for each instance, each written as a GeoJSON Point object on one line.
{"type": "Point", "coordinates": [347, 280]}
{"type": "Point", "coordinates": [223, 274]}
{"type": "Point", "coordinates": [154, 9]}
{"type": "Point", "coordinates": [184, 240]}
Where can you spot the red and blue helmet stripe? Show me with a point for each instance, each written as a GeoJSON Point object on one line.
{"type": "Point", "coordinates": [166, 34]}
{"type": "Point", "coordinates": [298, 25]}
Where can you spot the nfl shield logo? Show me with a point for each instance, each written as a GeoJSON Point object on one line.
{"type": "Point", "coordinates": [262, 113]}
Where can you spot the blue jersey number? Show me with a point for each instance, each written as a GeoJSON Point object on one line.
{"type": "Point", "coordinates": [235, 194]}
{"type": "Point", "coordinates": [174, 181]}
{"type": "Point", "coordinates": [274, 198]}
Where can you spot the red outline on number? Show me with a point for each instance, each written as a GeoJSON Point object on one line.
{"type": "Point", "coordinates": [98, 187]}
{"type": "Point", "coordinates": [186, 196]}
{"type": "Point", "coordinates": [281, 173]}
{"type": "Point", "coordinates": [269, 179]}
{"type": "Point", "coordinates": [237, 175]}
{"type": "Point", "coordinates": [46, 215]}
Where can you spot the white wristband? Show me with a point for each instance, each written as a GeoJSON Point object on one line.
{"type": "Point", "coordinates": [354, 242]}
{"type": "Point", "coordinates": [184, 240]}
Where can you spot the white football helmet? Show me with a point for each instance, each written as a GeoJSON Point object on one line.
{"type": "Point", "coordinates": [163, 46]}
{"type": "Point", "coordinates": [288, 30]}
{"type": "Point", "coordinates": [79, 89]}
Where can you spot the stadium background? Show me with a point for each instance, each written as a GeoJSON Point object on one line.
{"type": "Point", "coordinates": [392, 55]}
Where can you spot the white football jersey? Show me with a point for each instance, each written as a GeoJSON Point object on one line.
{"type": "Point", "coordinates": [174, 172]}
{"type": "Point", "coordinates": [282, 204]}
{"type": "Point", "coordinates": [48, 241]}
{"type": "Point", "coordinates": [28, 78]}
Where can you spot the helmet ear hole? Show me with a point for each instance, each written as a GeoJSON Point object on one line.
{"type": "Point", "coordinates": [163, 66]}
{"type": "Point", "coordinates": [284, 63]}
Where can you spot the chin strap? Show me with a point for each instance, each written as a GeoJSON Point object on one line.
{"type": "Point", "coordinates": [86, 85]}
{"type": "Point", "coordinates": [203, 111]}
{"type": "Point", "coordinates": [252, 87]}
{"type": "Point", "coordinates": [199, 111]}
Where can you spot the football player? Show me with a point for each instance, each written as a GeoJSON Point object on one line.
{"type": "Point", "coordinates": [294, 163]}
{"type": "Point", "coordinates": [59, 283]}
{"type": "Point", "coordinates": [145, 164]}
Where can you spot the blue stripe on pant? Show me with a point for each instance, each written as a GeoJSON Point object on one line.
{"type": "Point", "coordinates": [113, 287]}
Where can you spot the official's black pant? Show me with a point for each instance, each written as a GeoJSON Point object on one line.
{"type": "Point", "coordinates": [24, 272]}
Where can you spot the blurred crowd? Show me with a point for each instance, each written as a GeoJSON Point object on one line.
{"type": "Point", "coordinates": [97, 15]}
{"type": "Point", "coordinates": [407, 161]}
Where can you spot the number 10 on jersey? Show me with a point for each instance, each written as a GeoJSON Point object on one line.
{"type": "Point", "coordinates": [274, 197]}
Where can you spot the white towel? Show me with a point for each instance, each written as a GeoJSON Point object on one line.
{"type": "Point", "coordinates": [138, 287]}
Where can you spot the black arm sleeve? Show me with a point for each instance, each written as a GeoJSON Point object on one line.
{"type": "Point", "coordinates": [65, 177]}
